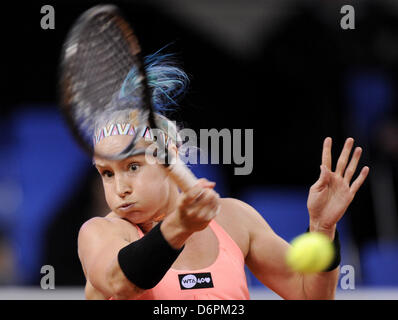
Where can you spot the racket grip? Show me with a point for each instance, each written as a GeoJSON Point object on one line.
{"type": "Point", "coordinates": [181, 175]}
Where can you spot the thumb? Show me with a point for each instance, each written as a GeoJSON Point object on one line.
{"type": "Point", "coordinates": [323, 178]}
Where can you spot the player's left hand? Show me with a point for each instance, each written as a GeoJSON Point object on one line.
{"type": "Point", "coordinates": [331, 195]}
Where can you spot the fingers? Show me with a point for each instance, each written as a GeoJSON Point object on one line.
{"type": "Point", "coordinates": [197, 198]}
{"type": "Point", "coordinates": [344, 156]}
{"type": "Point", "coordinates": [199, 212]}
{"type": "Point", "coordinates": [208, 209]}
{"type": "Point", "coordinates": [192, 195]}
{"type": "Point", "coordinates": [213, 208]}
{"type": "Point", "coordinates": [204, 183]}
{"type": "Point", "coordinates": [208, 198]}
{"type": "Point", "coordinates": [195, 193]}
{"type": "Point", "coordinates": [349, 172]}
{"type": "Point", "coordinates": [198, 206]}
{"type": "Point", "coordinates": [327, 153]}
{"type": "Point", "coordinates": [359, 180]}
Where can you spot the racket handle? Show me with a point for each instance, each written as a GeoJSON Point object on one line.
{"type": "Point", "coordinates": [181, 175]}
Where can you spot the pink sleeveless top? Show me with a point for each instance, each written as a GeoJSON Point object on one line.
{"type": "Point", "coordinates": [225, 279]}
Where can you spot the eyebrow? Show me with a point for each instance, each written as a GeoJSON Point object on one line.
{"type": "Point", "coordinates": [133, 158]}
{"type": "Point", "coordinates": [98, 165]}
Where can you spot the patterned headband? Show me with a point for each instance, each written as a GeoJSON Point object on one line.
{"type": "Point", "coordinates": [127, 129]}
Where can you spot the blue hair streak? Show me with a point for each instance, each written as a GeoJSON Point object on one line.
{"type": "Point", "coordinates": [166, 81]}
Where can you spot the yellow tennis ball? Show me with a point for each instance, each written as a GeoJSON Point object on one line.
{"type": "Point", "coordinates": [310, 253]}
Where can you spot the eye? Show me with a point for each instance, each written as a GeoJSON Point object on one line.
{"type": "Point", "coordinates": [133, 167]}
{"type": "Point", "coordinates": [106, 174]}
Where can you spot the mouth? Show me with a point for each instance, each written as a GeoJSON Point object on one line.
{"type": "Point", "coordinates": [126, 206]}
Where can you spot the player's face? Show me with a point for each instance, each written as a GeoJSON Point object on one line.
{"type": "Point", "coordinates": [134, 188]}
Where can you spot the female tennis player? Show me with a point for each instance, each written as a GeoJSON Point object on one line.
{"type": "Point", "coordinates": [160, 243]}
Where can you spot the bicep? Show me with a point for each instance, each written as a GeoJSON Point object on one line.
{"type": "Point", "coordinates": [266, 259]}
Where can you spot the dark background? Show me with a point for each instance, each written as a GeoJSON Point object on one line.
{"type": "Point", "coordinates": [299, 82]}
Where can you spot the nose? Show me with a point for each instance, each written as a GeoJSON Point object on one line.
{"type": "Point", "coordinates": [123, 186]}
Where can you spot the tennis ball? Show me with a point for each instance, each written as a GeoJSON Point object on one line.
{"type": "Point", "coordinates": [310, 253]}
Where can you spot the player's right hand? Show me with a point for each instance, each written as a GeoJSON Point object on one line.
{"type": "Point", "coordinates": [198, 206]}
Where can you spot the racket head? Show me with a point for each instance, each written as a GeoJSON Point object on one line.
{"type": "Point", "coordinates": [99, 54]}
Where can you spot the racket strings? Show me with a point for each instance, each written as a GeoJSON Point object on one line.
{"type": "Point", "coordinates": [104, 58]}
{"type": "Point", "coordinates": [99, 53]}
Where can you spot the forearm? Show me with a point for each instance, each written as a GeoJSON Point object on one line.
{"type": "Point", "coordinates": [321, 285]}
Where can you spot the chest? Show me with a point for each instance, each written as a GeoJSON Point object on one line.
{"type": "Point", "coordinates": [209, 267]}
{"type": "Point", "coordinates": [200, 251]}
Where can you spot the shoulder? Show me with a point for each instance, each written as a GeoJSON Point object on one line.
{"type": "Point", "coordinates": [239, 220]}
{"type": "Point", "coordinates": [241, 215]}
{"type": "Point", "coordinates": [102, 227]}
{"type": "Point", "coordinates": [240, 211]}
{"type": "Point", "coordinates": [96, 225]}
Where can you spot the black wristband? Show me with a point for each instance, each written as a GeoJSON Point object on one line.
{"type": "Point", "coordinates": [145, 261]}
{"type": "Point", "coordinates": [337, 256]}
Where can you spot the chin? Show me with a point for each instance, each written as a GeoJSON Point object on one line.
{"type": "Point", "coordinates": [138, 217]}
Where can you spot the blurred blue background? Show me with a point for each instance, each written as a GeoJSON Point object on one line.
{"type": "Point", "coordinates": [289, 60]}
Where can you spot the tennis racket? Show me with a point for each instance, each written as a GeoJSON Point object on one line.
{"type": "Point", "coordinates": [100, 50]}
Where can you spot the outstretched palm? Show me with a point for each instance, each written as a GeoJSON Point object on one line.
{"type": "Point", "coordinates": [331, 195]}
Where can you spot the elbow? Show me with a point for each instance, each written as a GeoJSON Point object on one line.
{"type": "Point", "coordinates": [120, 291]}
{"type": "Point", "coordinates": [332, 294]}
{"type": "Point", "coordinates": [120, 287]}
{"type": "Point", "coordinates": [324, 294]}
